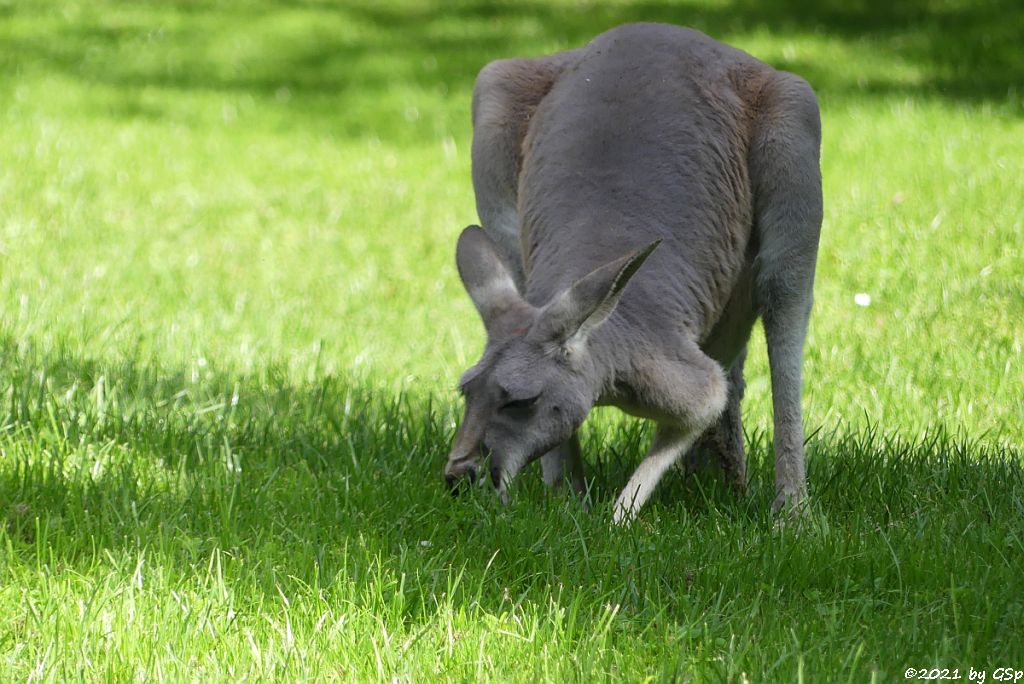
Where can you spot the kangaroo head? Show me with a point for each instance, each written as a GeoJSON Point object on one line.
{"type": "Point", "coordinates": [537, 380]}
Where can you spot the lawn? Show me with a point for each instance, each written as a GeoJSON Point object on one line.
{"type": "Point", "coordinates": [231, 330]}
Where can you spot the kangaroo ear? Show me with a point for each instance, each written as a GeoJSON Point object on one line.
{"type": "Point", "coordinates": [578, 311]}
{"type": "Point", "coordinates": [485, 276]}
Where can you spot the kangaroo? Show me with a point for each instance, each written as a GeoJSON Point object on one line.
{"type": "Point", "coordinates": [643, 199]}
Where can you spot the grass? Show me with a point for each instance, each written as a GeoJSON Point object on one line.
{"type": "Point", "coordinates": [230, 329]}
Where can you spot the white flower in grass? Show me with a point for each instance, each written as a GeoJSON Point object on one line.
{"type": "Point", "coordinates": [862, 299]}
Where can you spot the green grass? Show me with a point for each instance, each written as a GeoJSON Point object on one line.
{"type": "Point", "coordinates": [230, 330]}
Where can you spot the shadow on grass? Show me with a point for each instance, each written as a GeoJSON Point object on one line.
{"type": "Point", "coordinates": [321, 482]}
{"type": "Point", "coordinates": [969, 50]}
{"type": "Point", "coordinates": [333, 62]}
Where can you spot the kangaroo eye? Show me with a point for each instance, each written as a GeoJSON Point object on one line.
{"type": "Point", "coordinates": [519, 404]}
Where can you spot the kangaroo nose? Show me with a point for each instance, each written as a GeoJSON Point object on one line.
{"type": "Point", "coordinates": [457, 473]}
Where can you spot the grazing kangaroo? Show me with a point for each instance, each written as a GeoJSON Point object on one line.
{"type": "Point", "coordinates": [644, 199]}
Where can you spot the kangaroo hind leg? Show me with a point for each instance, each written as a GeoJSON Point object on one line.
{"type": "Point", "coordinates": [786, 180]}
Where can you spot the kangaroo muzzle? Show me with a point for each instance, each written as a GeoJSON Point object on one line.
{"type": "Point", "coordinates": [466, 457]}
{"type": "Point", "coordinates": [460, 470]}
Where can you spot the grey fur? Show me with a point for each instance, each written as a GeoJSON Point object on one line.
{"type": "Point", "coordinates": [650, 134]}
